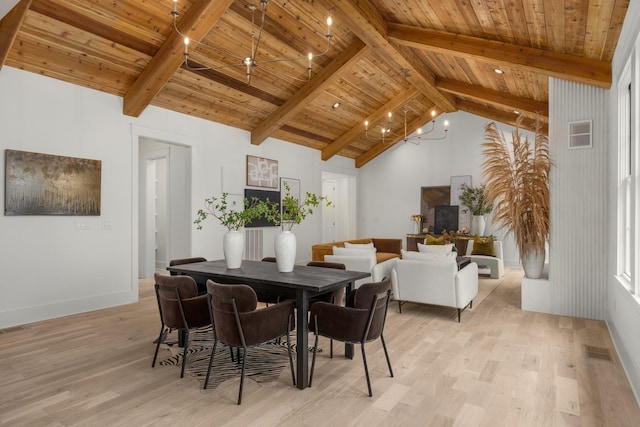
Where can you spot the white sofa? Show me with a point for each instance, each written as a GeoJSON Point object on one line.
{"type": "Point", "coordinates": [495, 264]}
{"type": "Point", "coordinates": [365, 262]}
{"type": "Point", "coordinates": [434, 282]}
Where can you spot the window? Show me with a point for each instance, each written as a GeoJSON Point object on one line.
{"type": "Point", "coordinates": [624, 182]}
{"type": "Point", "coordinates": [628, 254]}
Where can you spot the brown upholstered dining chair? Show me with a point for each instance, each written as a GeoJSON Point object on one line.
{"type": "Point", "coordinates": [185, 261]}
{"type": "Point", "coordinates": [238, 323]}
{"type": "Point", "coordinates": [334, 297]}
{"type": "Point", "coordinates": [180, 308]}
{"type": "Point", "coordinates": [359, 322]}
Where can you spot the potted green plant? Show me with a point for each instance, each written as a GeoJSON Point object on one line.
{"type": "Point", "coordinates": [292, 211]}
{"type": "Point", "coordinates": [233, 241]}
{"type": "Point", "coordinates": [517, 174]}
{"type": "Point", "coordinates": [475, 200]}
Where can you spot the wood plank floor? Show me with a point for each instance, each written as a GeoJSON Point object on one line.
{"type": "Point", "coordinates": [499, 367]}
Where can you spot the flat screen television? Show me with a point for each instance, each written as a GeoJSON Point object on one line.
{"type": "Point", "coordinates": [264, 195]}
{"type": "Point", "coordinates": [446, 219]}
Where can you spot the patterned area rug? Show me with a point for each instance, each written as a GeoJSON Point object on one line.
{"type": "Point", "coordinates": [264, 363]}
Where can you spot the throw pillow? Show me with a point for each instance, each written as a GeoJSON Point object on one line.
{"type": "Point", "coordinates": [436, 249]}
{"type": "Point", "coordinates": [431, 240]}
{"type": "Point", "coordinates": [353, 252]}
{"type": "Point", "coordinates": [483, 246]}
{"type": "Point", "coordinates": [359, 245]}
{"type": "Point", "coordinates": [428, 256]}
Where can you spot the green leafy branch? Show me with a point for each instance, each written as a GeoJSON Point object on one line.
{"type": "Point", "coordinates": [293, 211]}
{"type": "Point", "coordinates": [475, 198]}
{"type": "Point", "coordinates": [230, 218]}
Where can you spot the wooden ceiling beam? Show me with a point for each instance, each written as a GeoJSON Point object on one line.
{"type": "Point", "coordinates": [384, 146]}
{"type": "Point", "coordinates": [494, 97]}
{"type": "Point", "coordinates": [555, 64]}
{"type": "Point", "coordinates": [499, 116]}
{"type": "Point", "coordinates": [83, 22]}
{"type": "Point", "coordinates": [196, 24]}
{"type": "Point", "coordinates": [336, 146]}
{"type": "Point", "coordinates": [325, 78]}
{"type": "Point", "coordinates": [367, 23]}
{"type": "Point", "coordinates": [9, 27]}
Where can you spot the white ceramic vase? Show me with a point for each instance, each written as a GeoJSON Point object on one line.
{"type": "Point", "coordinates": [477, 225]}
{"type": "Point", "coordinates": [233, 248]}
{"type": "Point", "coordinates": [533, 263]}
{"type": "Point", "coordinates": [285, 247]}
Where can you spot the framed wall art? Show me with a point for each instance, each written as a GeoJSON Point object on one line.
{"type": "Point", "coordinates": [263, 195]}
{"type": "Point", "coordinates": [262, 172]}
{"type": "Point", "coordinates": [45, 184]}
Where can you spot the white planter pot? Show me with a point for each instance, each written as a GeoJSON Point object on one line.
{"type": "Point", "coordinates": [533, 263]}
{"type": "Point", "coordinates": [233, 248]}
{"type": "Point", "coordinates": [285, 247]}
{"type": "Point", "coordinates": [477, 225]}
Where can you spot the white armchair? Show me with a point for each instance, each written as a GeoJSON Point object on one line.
{"type": "Point", "coordinates": [434, 282]}
{"type": "Point", "coordinates": [494, 263]}
{"type": "Point", "coordinates": [365, 262]}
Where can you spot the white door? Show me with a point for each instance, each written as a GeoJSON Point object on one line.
{"type": "Point", "coordinates": [329, 212]}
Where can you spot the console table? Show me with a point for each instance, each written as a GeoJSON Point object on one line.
{"type": "Point", "coordinates": [414, 239]}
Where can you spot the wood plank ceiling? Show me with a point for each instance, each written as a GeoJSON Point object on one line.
{"type": "Point", "coordinates": [450, 48]}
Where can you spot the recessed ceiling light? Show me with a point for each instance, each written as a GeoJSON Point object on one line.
{"type": "Point", "coordinates": [498, 71]}
{"type": "Point", "coordinates": [335, 106]}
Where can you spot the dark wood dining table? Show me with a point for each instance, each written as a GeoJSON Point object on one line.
{"type": "Point", "coordinates": [302, 284]}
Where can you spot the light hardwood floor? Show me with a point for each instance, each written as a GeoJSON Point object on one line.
{"type": "Point", "coordinates": [500, 366]}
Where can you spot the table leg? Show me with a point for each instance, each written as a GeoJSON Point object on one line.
{"type": "Point", "coordinates": [302, 339]}
{"type": "Point", "coordinates": [348, 348]}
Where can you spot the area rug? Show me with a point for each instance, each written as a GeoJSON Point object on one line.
{"type": "Point", "coordinates": [264, 363]}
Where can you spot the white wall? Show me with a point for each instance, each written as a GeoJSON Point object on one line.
{"type": "Point", "coordinates": [389, 186]}
{"type": "Point", "coordinates": [623, 308]}
{"type": "Point", "coordinates": [578, 181]}
{"type": "Point", "coordinates": [51, 269]}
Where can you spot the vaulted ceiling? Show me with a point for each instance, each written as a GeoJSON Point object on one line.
{"type": "Point", "coordinates": [450, 49]}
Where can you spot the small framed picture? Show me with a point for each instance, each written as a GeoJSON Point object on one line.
{"type": "Point", "coordinates": [262, 172]}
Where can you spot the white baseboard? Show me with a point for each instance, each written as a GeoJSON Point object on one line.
{"type": "Point", "coordinates": [628, 364]}
{"type": "Point", "coordinates": [36, 313]}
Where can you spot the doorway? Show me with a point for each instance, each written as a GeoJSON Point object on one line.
{"type": "Point", "coordinates": [164, 189]}
{"type": "Point", "coordinates": [338, 219]}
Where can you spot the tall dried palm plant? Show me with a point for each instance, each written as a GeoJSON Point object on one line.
{"type": "Point", "coordinates": [517, 177]}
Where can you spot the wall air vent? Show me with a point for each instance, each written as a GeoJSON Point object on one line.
{"type": "Point", "coordinates": [580, 134]}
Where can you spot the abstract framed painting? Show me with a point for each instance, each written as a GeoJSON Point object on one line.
{"type": "Point", "coordinates": [262, 172]}
{"type": "Point", "coordinates": [45, 184]}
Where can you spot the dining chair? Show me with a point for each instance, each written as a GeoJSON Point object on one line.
{"type": "Point", "coordinates": [180, 308]}
{"type": "Point", "coordinates": [359, 322]}
{"type": "Point", "coordinates": [238, 323]}
{"type": "Point", "coordinates": [335, 297]}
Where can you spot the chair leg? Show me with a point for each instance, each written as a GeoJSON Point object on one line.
{"type": "Point", "coordinates": [331, 348]}
{"type": "Point", "coordinates": [384, 347]}
{"type": "Point", "coordinates": [158, 341]}
{"type": "Point", "coordinates": [366, 370]}
{"type": "Point", "coordinates": [184, 353]}
{"type": "Point", "coordinates": [315, 351]}
{"type": "Point", "coordinates": [244, 360]}
{"type": "Point", "coordinates": [213, 352]}
{"type": "Point", "coordinates": [293, 375]}
{"type": "Point", "coordinates": [459, 315]}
